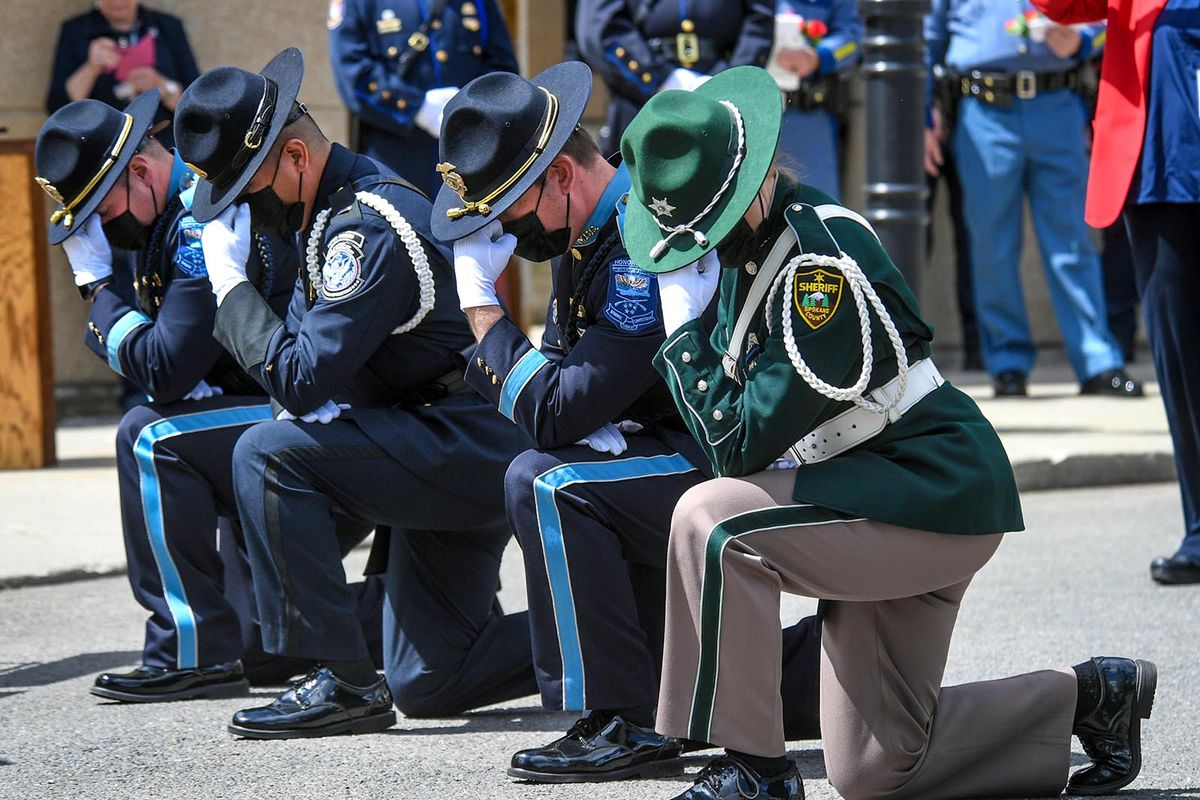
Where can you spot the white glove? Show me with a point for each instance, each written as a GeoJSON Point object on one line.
{"type": "Point", "coordinates": [684, 79]}
{"type": "Point", "coordinates": [226, 243]}
{"type": "Point", "coordinates": [429, 115]}
{"type": "Point", "coordinates": [203, 391]}
{"type": "Point", "coordinates": [478, 261]}
{"type": "Point", "coordinates": [606, 439]}
{"type": "Point", "coordinates": [89, 253]}
{"type": "Point", "coordinates": [685, 293]}
{"type": "Point", "coordinates": [324, 413]}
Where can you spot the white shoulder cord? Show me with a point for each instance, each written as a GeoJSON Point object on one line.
{"type": "Point", "coordinates": [863, 292]}
{"type": "Point", "coordinates": [412, 244]}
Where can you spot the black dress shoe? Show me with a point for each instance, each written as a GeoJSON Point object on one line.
{"type": "Point", "coordinates": [158, 685]}
{"type": "Point", "coordinates": [726, 778]}
{"type": "Point", "coordinates": [320, 705]}
{"type": "Point", "coordinates": [600, 747]}
{"type": "Point", "coordinates": [1010, 383]}
{"type": "Point", "coordinates": [1111, 734]}
{"type": "Point", "coordinates": [1113, 383]}
{"type": "Point", "coordinates": [1178, 569]}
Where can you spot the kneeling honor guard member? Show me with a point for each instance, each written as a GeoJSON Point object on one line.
{"type": "Point", "coordinates": [370, 350]}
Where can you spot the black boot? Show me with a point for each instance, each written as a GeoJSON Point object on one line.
{"type": "Point", "coordinates": [320, 705]}
{"type": "Point", "coordinates": [1111, 732]}
{"type": "Point", "coordinates": [727, 778]}
{"type": "Point", "coordinates": [600, 747]}
{"type": "Point", "coordinates": [159, 685]}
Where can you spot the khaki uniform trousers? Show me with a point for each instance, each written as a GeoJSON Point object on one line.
{"type": "Point", "coordinates": [890, 729]}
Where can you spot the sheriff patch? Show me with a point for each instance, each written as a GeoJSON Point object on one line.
{"type": "Point", "coordinates": [341, 275]}
{"type": "Point", "coordinates": [817, 294]}
{"type": "Point", "coordinates": [632, 297]}
{"type": "Point", "coordinates": [189, 255]}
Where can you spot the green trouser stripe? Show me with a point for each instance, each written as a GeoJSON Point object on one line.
{"type": "Point", "coordinates": [713, 588]}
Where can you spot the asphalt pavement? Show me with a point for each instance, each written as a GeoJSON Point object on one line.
{"type": "Point", "coordinates": [1075, 584]}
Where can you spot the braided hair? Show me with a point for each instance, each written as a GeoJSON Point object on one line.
{"type": "Point", "coordinates": [599, 258]}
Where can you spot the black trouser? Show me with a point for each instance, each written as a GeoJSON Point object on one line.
{"type": "Point", "coordinates": [1165, 238]}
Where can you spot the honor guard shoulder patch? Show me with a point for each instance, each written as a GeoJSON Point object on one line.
{"type": "Point", "coordinates": [817, 294]}
{"type": "Point", "coordinates": [337, 13]}
{"type": "Point", "coordinates": [189, 255]}
{"type": "Point", "coordinates": [341, 275]}
{"type": "Point", "coordinates": [632, 297]}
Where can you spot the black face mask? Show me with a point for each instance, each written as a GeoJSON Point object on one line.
{"type": "Point", "coordinates": [534, 242]}
{"type": "Point", "coordinates": [269, 214]}
{"type": "Point", "coordinates": [743, 241]}
{"type": "Point", "coordinates": [123, 231]}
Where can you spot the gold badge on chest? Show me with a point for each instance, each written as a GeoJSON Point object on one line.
{"type": "Point", "coordinates": [388, 23]}
{"type": "Point", "coordinates": [817, 294]}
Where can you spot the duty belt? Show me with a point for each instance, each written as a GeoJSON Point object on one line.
{"type": "Point", "coordinates": [821, 94]}
{"type": "Point", "coordinates": [851, 428]}
{"type": "Point", "coordinates": [999, 88]}
{"type": "Point", "coordinates": [685, 49]}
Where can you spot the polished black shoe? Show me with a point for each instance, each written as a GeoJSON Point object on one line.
{"type": "Point", "coordinates": [158, 685]}
{"type": "Point", "coordinates": [1176, 570]}
{"type": "Point", "coordinates": [600, 747]}
{"type": "Point", "coordinates": [1010, 383]}
{"type": "Point", "coordinates": [726, 778]}
{"type": "Point", "coordinates": [1112, 383]}
{"type": "Point", "coordinates": [320, 705]}
{"type": "Point", "coordinates": [1111, 734]}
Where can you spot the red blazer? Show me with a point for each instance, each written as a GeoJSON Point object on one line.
{"type": "Point", "coordinates": [1120, 122]}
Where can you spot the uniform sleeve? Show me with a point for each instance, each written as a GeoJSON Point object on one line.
{"type": "Point", "coordinates": [368, 86]}
{"type": "Point", "coordinates": [839, 50]}
{"type": "Point", "coordinates": [165, 357]}
{"type": "Point", "coordinates": [305, 366]}
{"type": "Point", "coordinates": [937, 41]}
{"type": "Point", "coordinates": [1067, 12]}
{"type": "Point", "coordinates": [498, 49]}
{"type": "Point", "coordinates": [1091, 41]}
{"type": "Point", "coordinates": [614, 47]}
{"type": "Point", "coordinates": [754, 39]}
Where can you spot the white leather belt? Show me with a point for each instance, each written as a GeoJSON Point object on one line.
{"type": "Point", "coordinates": [855, 426]}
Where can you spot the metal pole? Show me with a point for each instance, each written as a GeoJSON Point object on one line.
{"type": "Point", "coordinates": [894, 71]}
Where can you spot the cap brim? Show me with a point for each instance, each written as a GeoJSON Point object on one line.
{"type": "Point", "coordinates": [287, 70]}
{"type": "Point", "coordinates": [143, 110]}
{"type": "Point", "coordinates": [571, 83]}
{"type": "Point", "coordinates": [760, 103]}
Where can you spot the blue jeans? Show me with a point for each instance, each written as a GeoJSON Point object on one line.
{"type": "Point", "coordinates": [1035, 148]}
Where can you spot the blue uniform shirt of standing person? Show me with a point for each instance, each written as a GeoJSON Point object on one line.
{"type": "Point", "coordinates": [810, 124]}
{"type": "Point", "coordinates": [1025, 138]}
{"type": "Point", "coordinates": [386, 54]}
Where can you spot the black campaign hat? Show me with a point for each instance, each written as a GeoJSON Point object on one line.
{"type": "Point", "coordinates": [498, 136]}
{"type": "Point", "coordinates": [226, 123]}
{"type": "Point", "coordinates": [81, 151]}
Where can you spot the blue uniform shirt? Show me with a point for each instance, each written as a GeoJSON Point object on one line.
{"type": "Point", "coordinates": [1167, 172]}
{"type": "Point", "coordinates": [838, 49]}
{"type": "Point", "coordinates": [970, 34]}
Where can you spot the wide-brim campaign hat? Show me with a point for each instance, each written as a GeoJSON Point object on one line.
{"type": "Point", "coordinates": [695, 170]}
{"type": "Point", "coordinates": [228, 120]}
{"type": "Point", "coordinates": [499, 134]}
{"type": "Point", "coordinates": [81, 151]}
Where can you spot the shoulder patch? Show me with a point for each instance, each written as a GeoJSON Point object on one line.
{"type": "Point", "coordinates": [817, 294]}
{"type": "Point", "coordinates": [341, 275]}
{"type": "Point", "coordinates": [337, 13]}
{"type": "Point", "coordinates": [632, 303]}
{"type": "Point", "coordinates": [189, 255]}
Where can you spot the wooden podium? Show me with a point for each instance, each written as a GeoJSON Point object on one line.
{"type": "Point", "coordinates": [27, 414]}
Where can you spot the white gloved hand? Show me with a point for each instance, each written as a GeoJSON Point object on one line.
{"type": "Point", "coordinates": [478, 261]}
{"type": "Point", "coordinates": [226, 243]}
{"type": "Point", "coordinates": [89, 253]}
{"type": "Point", "coordinates": [685, 293]}
{"type": "Point", "coordinates": [429, 115]}
{"type": "Point", "coordinates": [203, 391]}
{"type": "Point", "coordinates": [606, 439]}
{"type": "Point", "coordinates": [684, 79]}
{"type": "Point", "coordinates": [324, 413]}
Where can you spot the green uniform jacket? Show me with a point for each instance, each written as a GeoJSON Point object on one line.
{"type": "Point", "coordinates": [941, 467]}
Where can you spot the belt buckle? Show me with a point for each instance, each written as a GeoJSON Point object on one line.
{"type": "Point", "coordinates": [418, 41]}
{"type": "Point", "coordinates": [1026, 84]}
{"type": "Point", "coordinates": [687, 49]}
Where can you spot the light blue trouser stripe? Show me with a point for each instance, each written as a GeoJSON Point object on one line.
{"type": "Point", "coordinates": [522, 372]}
{"type": "Point", "coordinates": [117, 334]}
{"type": "Point", "coordinates": [152, 509]}
{"type": "Point", "coordinates": [555, 553]}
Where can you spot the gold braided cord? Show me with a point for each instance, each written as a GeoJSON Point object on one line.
{"type": "Point", "coordinates": [66, 212]}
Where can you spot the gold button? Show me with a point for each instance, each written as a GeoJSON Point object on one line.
{"type": "Point", "coordinates": [751, 267]}
{"type": "Point", "coordinates": [386, 94]}
{"type": "Point", "coordinates": [443, 56]}
{"type": "Point", "coordinates": [620, 52]}
{"type": "Point", "coordinates": [270, 367]}
{"type": "Point", "coordinates": [646, 77]}
{"type": "Point", "coordinates": [495, 380]}
{"type": "Point", "coordinates": [401, 104]}
{"type": "Point", "coordinates": [392, 51]}
{"type": "Point", "coordinates": [687, 357]}
{"type": "Point", "coordinates": [633, 64]}
{"type": "Point", "coordinates": [436, 24]}
{"type": "Point", "coordinates": [687, 26]}
{"type": "Point", "coordinates": [989, 96]}
{"type": "Point", "coordinates": [702, 385]}
{"type": "Point", "coordinates": [717, 415]}
{"type": "Point", "coordinates": [477, 50]}
{"type": "Point", "coordinates": [479, 361]}
{"type": "Point", "coordinates": [372, 86]}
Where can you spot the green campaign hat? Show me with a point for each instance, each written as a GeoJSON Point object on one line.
{"type": "Point", "coordinates": [697, 160]}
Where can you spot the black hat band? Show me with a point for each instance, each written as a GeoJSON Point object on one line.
{"type": "Point", "coordinates": [483, 205]}
{"type": "Point", "coordinates": [65, 214]}
{"type": "Point", "coordinates": [253, 139]}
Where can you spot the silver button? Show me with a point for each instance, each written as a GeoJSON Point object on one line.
{"type": "Point", "coordinates": [751, 267]}
{"type": "Point", "coordinates": [702, 386]}
{"type": "Point", "coordinates": [797, 207]}
{"type": "Point", "coordinates": [717, 415]}
{"type": "Point", "coordinates": [687, 357]}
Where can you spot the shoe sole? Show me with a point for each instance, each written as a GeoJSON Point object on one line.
{"type": "Point", "coordinates": [1143, 705]}
{"type": "Point", "coordinates": [665, 768]}
{"type": "Point", "coordinates": [1164, 580]}
{"type": "Point", "coordinates": [374, 724]}
{"type": "Point", "coordinates": [214, 691]}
